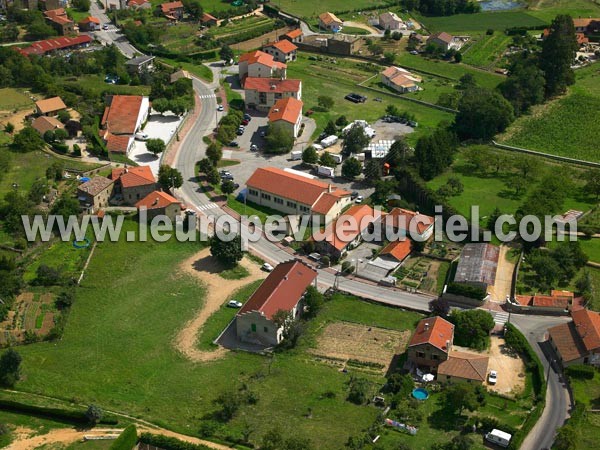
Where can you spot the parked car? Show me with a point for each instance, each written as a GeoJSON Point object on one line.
{"type": "Point", "coordinates": [234, 144]}
{"type": "Point", "coordinates": [315, 257]}
{"type": "Point", "coordinates": [239, 131]}
{"type": "Point", "coordinates": [254, 148]}
{"type": "Point", "coordinates": [105, 26]}
{"type": "Point", "coordinates": [354, 195]}
{"type": "Point", "coordinates": [141, 136]}
{"type": "Point", "coordinates": [414, 52]}
{"type": "Point", "coordinates": [263, 133]}
{"type": "Point", "coordinates": [359, 199]}
{"type": "Point", "coordinates": [267, 267]}
{"type": "Point", "coordinates": [224, 172]}
{"type": "Point", "coordinates": [234, 304]}
{"type": "Point", "coordinates": [247, 117]}
{"type": "Point", "coordinates": [493, 377]}
{"type": "Point", "coordinates": [245, 122]}
{"type": "Point", "coordinates": [356, 98]}
{"type": "Point", "coordinates": [220, 108]}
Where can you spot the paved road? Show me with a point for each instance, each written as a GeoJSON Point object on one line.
{"type": "Point", "coordinates": [112, 35]}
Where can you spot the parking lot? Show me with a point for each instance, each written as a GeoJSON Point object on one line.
{"type": "Point", "coordinates": [158, 126]}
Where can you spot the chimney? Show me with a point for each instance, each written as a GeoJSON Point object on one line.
{"type": "Point", "coordinates": [426, 328]}
{"type": "Point", "coordinates": [273, 87]}
{"type": "Point", "coordinates": [330, 188]}
{"type": "Point", "coordinates": [155, 202]}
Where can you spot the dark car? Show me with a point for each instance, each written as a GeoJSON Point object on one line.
{"type": "Point", "coordinates": [234, 144]}
{"type": "Point", "coordinates": [226, 176]}
{"type": "Point", "coordinates": [247, 117]}
{"type": "Point", "coordinates": [239, 132]}
{"type": "Point", "coordinates": [356, 98]}
{"type": "Point", "coordinates": [354, 195]}
{"type": "Point", "coordinates": [245, 122]}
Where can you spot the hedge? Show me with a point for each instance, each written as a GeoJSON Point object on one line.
{"type": "Point", "coordinates": [466, 291]}
{"type": "Point", "coordinates": [581, 371]}
{"type": "Point", "coordinates": [126, 440]}
{"type": "Point", "coordinates": [59, 414]}
{"type": "Point", "coordinates": [169, 443]}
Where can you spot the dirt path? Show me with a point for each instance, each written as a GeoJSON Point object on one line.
{"type": "Point", "coordinates": [218, 290]}
{"type": "Point", "coordinates": [363, 26]}
{"type": "Point", "coordinates": [504, 273]}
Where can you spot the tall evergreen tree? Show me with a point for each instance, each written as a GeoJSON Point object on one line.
{"type": "Point", "coordinates": [558, 53]}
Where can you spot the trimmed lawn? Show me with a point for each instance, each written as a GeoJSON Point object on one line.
{"type": "Point", "coordinates": [547, 10]}
{"type": "Point", "coordinates": [557, 127]}
{"type": "Point", "coordinates": [96, 87]}
{"type": "Point", "coordinates": [198, 70]}
{"type": "Point", "coordinates": [591, 247]}
{"type": "Point", "coordinates": [465, 23]}
{"type": "Point", "coordinates": [11, 99]}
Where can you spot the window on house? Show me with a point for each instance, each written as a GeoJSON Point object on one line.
{"type": "Point", "coordinates": [253, 327]}
{"type": "Point", "coordinates": [420, 355]}
{"type": "Point", "coordinates": [266, 329]}
{"type": "Point", "coordinates": [278, 200]}
{"type": "Point", "coordinates": [291, 204]}
{"type": "Point", "coordinates": [435, 357]}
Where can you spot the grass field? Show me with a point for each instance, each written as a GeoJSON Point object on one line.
{"type": "Point", "coordinates": [13, 420]}
{"type": "Point", "coordinates": [312, 8]}
{"type": "Point", "coordinates": [548, 9]}
{"type": "Point", "coordinates": [561, 126]}
{"type": "Point", "coordinates": [587, 392]}
{"type": "Point", "coordinates": [198, 70]}
{"type": "Point", "coordinates": [338, 80]}
{"type": "Point", "coordinates": [485, 50]}
{"type": "Point", "coordinates": [465, 23]}
{"type": "Point", "coordinates": [11, 99]}
{"type": "Point", "coordinates": [490, 191]}
{"type": "Point", "coordinates": [95, 85]}
{"type": "Point", "coordinates": [591, 247]}
{"type": "Point", "coordinates": [117, 352]}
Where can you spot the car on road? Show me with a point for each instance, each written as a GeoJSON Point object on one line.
{"type": "Point", "coordinates": [245, 122]}
{"type": "Point", "coordinates": [247, 117]}
{"type": "Point", "coordinates": [315, 257]}
{"type": "Point", "coordinates": [267, 267]}
{"type": "Point", "coordinates": [105, 26]}
{"type": "Point", "coordinates": [234, 304]}
{"type": "Point", "coordinates": [356, 98]}
{"type": "Point", "coordinates": [141, 136]}
{"type": "Point", "coordinates": [233, 144]}
{"type": "Point", "coordinates": [359, 199]}
{"type": "Point", "coordinates": [220, 108]}
{"type": "Point", "coordinates": [254, 148]}
{"type": "Point", "coordinates": [263, 133]}
{"type": "Point", "coordinates": [354, 195]}
{"type": "Point", "coordinates": [239, 131]}
{"type": "Point", "coordinates": [493, 377]}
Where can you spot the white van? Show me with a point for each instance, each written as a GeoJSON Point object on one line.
{"type": "Point", "coordinates": [498, 437]}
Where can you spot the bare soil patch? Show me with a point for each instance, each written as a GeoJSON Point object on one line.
{"type": "Point", "coordinates": [16, 118]}
{"type": "Point", "coordinates": [252, 44]}
{"type": "Point", "coordinates": [504, 272]}
{"type": "Point", "coordinates": [206, 269]}
{"type": "Point", "coordinates": [343, 341]}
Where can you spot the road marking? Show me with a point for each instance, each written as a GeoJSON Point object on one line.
{"type": "Point", "coordinates": [500, 317]}
{"type": "Point", "coordinates": [208, 96]}
{"type": "Point", "coordinates": [207, 206]}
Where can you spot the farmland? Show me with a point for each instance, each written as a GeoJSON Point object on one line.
{"type": "Point", "coordinates": [562, 127]}
{"type": "Point", "coordinates": [11, 99]}
{"type": "Point", "coordinates": [469, 23]}
{"type": "Point", "coordinates": [313, 8]}
{"type": "Point", "coordinates": [485, 50]}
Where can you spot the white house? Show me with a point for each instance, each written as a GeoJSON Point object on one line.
{"type": "Point", "coordinates": [329, 21]}
{"type": "Point", "coordinates": [262, 93]}
{"type": "Point", "coordinates": [123, 117]}
{"type": "Point", "coordinates": [391, 21]}
{"type": "Point", "coordinates": [282, 51]}
{"type": "Point", "coordinates": [258, 64]}
{"type": "Point", "coordinates": [288, 113]}
{"type": "Point", "coordinates": [282, 290]}
{"type": "Point", "coordinates": [400, 79]}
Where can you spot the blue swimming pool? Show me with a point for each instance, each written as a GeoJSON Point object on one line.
{"type": "Point", "coordinates": [420, 394]}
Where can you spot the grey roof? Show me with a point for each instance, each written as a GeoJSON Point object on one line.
{"type": "Point", "coordinates": [478, 264]}
{"type": "Point", "coordinates": [95, 185]}
{"type": "Point", "coordinates": [139, 60]}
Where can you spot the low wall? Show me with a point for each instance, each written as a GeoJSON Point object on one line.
{"type": "Point", "coordinates": [579, 162]}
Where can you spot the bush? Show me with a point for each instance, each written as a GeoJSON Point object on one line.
{"type": "Point", "coordinates": [58, 414]}
{"type": "Point", "coordinates": [126, 440]}
{"type": "Point", "coordinates": [581, 371]}
{"type": "Point", "coordinates": [466, 291]}
{"type": "Point", "coordinates": [169, 443]}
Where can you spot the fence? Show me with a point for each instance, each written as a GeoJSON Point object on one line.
{"type": "Point", "coordinates": [579, 162]}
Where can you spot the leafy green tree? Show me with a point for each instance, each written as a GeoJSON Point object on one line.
{"type": "Point", "coordinates": [155, 146]}
{"type": "Point", "coordinates": [229, 253]}
{"type": "Point", "coordinates": [341, 121]}
{"type": "Point", "coordinates": [567, 438]}
{"type": "Point", "coordinates": [64, 116]}
{"type": "Point", "coordinates": [160, 105]}
{"type": "Point", "coordinates": [65, 206]}
{"type": "Point", "coordinates": [458, 57]}
{"type": "Point", "coordinates": [472, 328]}
{"type": "Point", "coordinates": [27, 140]}
{"type": "Point", "coordinates": [327, 160]}
{"type": "Point", "coordinates": [313, 300]}
{"type": "Point", "coordinates": [279, 139]}
{"type": "Point", "coordinates": [16, 204]}
{"type": "Point", "coordinates": [351, 168]}
{"type": "Point", "coordinates": [310, 155]}
{"type": "Point", "coordinates": [229, 403]}
{"type": "Point", "coordinates": [10, 368]}
{"type": "Point", "coordinates": [439, 307]}
{"type": "Point", "coordinates": [55, 171]}
{"type": "Point", "coordinates": [94, 414]}
{"type": "Point", "coordinates": [213, 176]}
{"type": "Point", "coordinates": [272, 440]}
{"type": "Point", "coordinates": [355, 140]}
{"type": "Point", "coordinates": [435, 153]}
{"type": "Point", "coordinates": [38, 189]}
{"type": "Point", "coordinates": [558, 54]}
{"type": "Point", "coordinates": [228, 187]}
{"type": "Point", "coordinates": [482, 113]}
{"type": "Point", "coordinates": [81, 5]}
{"type": "Point", "coordinates": [398, 383]}
{"type": "Point", "coordinates": [9, 128]}
{"type": "Point", "coordinates": [389, 58]}
{"type": "Point", "coordinates": [214, 153]}
{"type": "Point", "coordinates": [325, 102]}
{"type": "Point", "coordinates": [466, 82]}
{"type": "Point", "coordinates": [193, 8]}
{"type": "Point", "coordinates": [525, 85]}
{"type": "Point", "coordinates": [459, 397]}
{"type": "Point", "coordinates": [372, 171]}
{"type": "Point", "coordinates": [398, 153]}
{"type": "Point", "coordinates": [592, 183]}
{"type": "Point", "coordinates": [226, 53]}
{"type": "Point", "coordinates": [205, 165]}
{"type": "Point", "coordinates": [64, 300]}
{"type": "Point", "coordinates": [330, 128]}
{"type": "Point", "coordinates": [169, 177]}
{"type": "Point", "coordinates": [358, 390]}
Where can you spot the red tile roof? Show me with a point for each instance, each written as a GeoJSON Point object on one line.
{"type": "Point", "coordinates": [287, 109]}
{"type": "Point", "coordinates": [327, 201]}
{"type": "Point", "coordinates": [91, 19]}
{"type": "Point", "coordinates": [467, 366]}
{"type": "Point", "coordinates": [133, 176]}
{"type": "Point", "coordinates": [59, 43]}
{"type": "Point", "coordinates": [263, 58]}
{"type": "Point", "coordinates": [50, 105]}
{"type": "Point", "coordinates": [95, 186]}
{"type": "Point", "coordinates": [328, 18]}
{"type": "Point", "coordinates": [283, 46]}
{"type": "Point", "coordinates": [281, 290]}
{"type": "Point", "coordinates": [206, 17]}
{"type": "Point", "coordinates": [557, 299]}
{"type": "Point", "coordinates": [291, 186]}
{"type": "Point", "coordinates": [567, 341]}
{"type": "Point", "coordinates": [435, 331]}
{"type": "Point", "coordinates": [443, 36]}
{"type": "Point", "coordinates": [404, 219]}
{"type": "Point", "coordinates": [294, 33]}
{"type": "Point", "coordinates": [169, 6]}
{"type": "Point", "coordinates": [348, 226]}
{"type": "Point", "coordinates": [117, 143]}
{"type": "Point", "coordinates": [398, 249]}
{"type": "Point", "coordinates": [137, 2]}
{"type": "Point", "coordinates": [43, 123]}
{"type": "Point", "coordinates": [587, 324]}
{"type": "Point", "coordinates": [272, 85]}
{"type": "Point", "coordinates": [55, 12]}
{"type": "Point", "coordinates": [156, 200]}
{"type": "Point", "coordinates": [120, 117]}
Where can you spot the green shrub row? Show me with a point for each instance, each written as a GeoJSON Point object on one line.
{"type": "Point", "coordinates": [169, 443]}
{"type": "Point", "coordinates": [252, 33]}
{"type": "Point", "coordinates": [126, 440]}
{"type": "Point", "coordinates": [59, 414]}
{"type": "Point", "coordinates": [466, 290]}
{"type": "Point", "coordinates": [581, 371]}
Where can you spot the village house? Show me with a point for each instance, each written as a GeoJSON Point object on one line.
{"type": "Point", "coordinates": [94, 194]}
{"type": "Point", "coordinates": [401, 80]}
{"type": "Point", "coordinates": [463, 367]}
{"type": "Point", "coordinates": [50, 46]}
{"type": "Point", "coordinates": [132, 184]}
{"type": "Point", "coordinates": [57, 18]}
{"type": "Point", "coordinates": [140, 65]}
{"type": "Point", "coordinates": [208, 21]}
{"type": "Point", "coordinates": [329, 21]}
{"type": "Point", "coordinates": [42, 124]}
{"type": "Point", "coordinates": [389, 259]}
{"type": "Point", "coordinates": [390, 21]}
{"type": "Point", "coordinates": [396, 251]}
{"type": "Point", "coordinates": [406, 223]}
{"type": "Point", "coordinates": [587, 27]}
{"type": "Point", "coordinates": [288, 113]}
{"type": "Point", "coordinates": [294, 36]}
{"type": "Point", "coordinates": [430, 344]}
{"type": "Point", "coordinates": [258, 64]}
{"type": "Point", "coordinates": [159, 203]}
{"type": "Point", "coordinates": [50, 106]}
{"type": "Point", "coordinates": [122, 118]}
{"type": "Point", "coordinates": [558, 302]}
{"type": "Point", "coordinates": [262, 93]}
{"type": "Point", "coordinates": [347, 231]}
{"type": "Point", "coordinates": [292, 193]}
{"type": "Point", "coordinates": [282, 51]}
{"type": "Point", "coordinates": [577, 342]}
{"type": "Point", "coordinates": [477, 265]}
{"type": "Point", "coordinates": [172, 10]}
{"type": "Point", "coordinates": [116, 4]}
{"type": "Point", "coordinates": [139, 4]}
{"type": "Point", "coordinates": [282, 290]}
{"type": "Point", "coordinates": [89, 24]}
{"type": "Point", "coordinates": [445, 41]}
